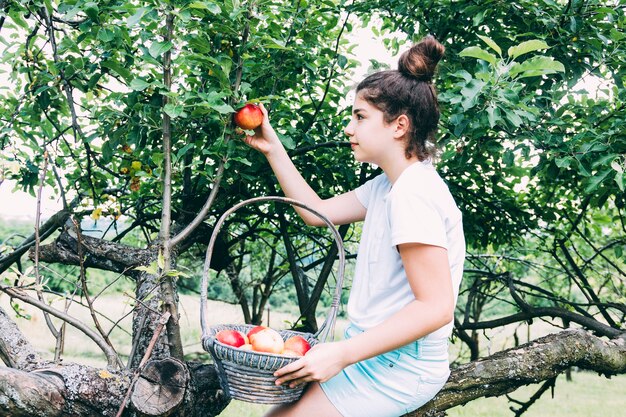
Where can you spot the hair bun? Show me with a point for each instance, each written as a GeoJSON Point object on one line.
{"type": "Point", "coordinates": [421, 60]}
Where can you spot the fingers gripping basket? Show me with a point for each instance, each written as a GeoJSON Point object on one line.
{"type": "Point", "coordinates": [248, 375]}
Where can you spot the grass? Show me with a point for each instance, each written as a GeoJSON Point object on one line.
{"type": "Point", "coordinates": [587, 395]}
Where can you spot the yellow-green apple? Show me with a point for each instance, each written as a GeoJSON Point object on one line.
{"type": "Point", "coordinates": [268, 341]}
{"type": "Point", "coordinates": [297, 344]}
{"type": "Point", "coordinates": [249, 117]}
{"type": "Point", "coordinates": [231, 337]}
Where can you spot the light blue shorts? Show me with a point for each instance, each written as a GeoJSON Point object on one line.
{"type": "Point", "coordinates": [391, 384]}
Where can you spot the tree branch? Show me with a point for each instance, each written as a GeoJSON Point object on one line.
{"type": "Point", "coordinates": [99, 253]}
{"type": "Point", "coordinates": [536, 361]}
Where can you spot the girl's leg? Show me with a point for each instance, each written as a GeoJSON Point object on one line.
{"type": "Point", "coordinates": [313, 403]}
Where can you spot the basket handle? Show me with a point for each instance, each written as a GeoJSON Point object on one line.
{"type": "Point", "coordinates": [328, 327]}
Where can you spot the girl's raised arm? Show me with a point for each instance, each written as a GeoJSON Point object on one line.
{"type": "Point", "coordinates": [341, 209]}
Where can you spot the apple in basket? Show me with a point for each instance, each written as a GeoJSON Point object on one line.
{"type": "Point", "coordinates": [254, 330]}
{"type": "Point", "coordinates": [231, 337]}
{"type": "Point", "coordinates": [267, 340]}
{"type": "Point", "coordinates": [296, 346]}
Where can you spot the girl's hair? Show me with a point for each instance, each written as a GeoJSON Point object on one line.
{"type": "Point", "coordinates": [409, 90]}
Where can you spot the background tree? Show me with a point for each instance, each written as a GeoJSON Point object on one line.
{"type": "Point", "coordinates": [124, 109]}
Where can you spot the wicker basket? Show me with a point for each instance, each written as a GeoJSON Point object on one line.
{"type": "Point", "coordinates": [248, 375]}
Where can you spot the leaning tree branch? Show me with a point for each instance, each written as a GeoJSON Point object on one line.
{"type": "Point", "coordinates": [533, 362]}
{"type": "Point", "coordinates": [50, 226]}
{"type": "Point", "coordinates": [113, 360]}
{"type": "Point", "coordinates": [98, 253]}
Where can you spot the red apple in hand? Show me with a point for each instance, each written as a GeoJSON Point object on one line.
{"type": "Point", "coordinates": [231, 338]}
{"type": "Point", "coordinates": [297, 345]}
{"type": "Point", "coordinates": [249, 117]}
{"type": "Point", "coordinates": [267, 340]}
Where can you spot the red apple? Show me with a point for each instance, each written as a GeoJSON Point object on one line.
{"type": "Point", "coordinates": [249, 117]}
{"type": "Point", "coordinates": [297, 344]}
{"type": "Point", "coordinates": [267, 340]}
{"type": "Point", "coordinates": [231, 338]}
{"type": "Point", "coordinates": [255, 330]}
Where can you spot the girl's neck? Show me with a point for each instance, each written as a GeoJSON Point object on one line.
{"type": "Point", "coordinates": [394, 168]}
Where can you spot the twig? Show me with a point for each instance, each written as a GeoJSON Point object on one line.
{"type": "Point", "coordinates": [42, 178]}
{"type": "Point", "coordinates": [526, 405]}
{"type": "Point", "coordinates": [157, 332]}
{"type": "Point", "coordinates": [83, 280]}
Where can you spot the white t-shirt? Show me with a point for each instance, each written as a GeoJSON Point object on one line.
{"type": "Point", "coordinates": [417, 209]}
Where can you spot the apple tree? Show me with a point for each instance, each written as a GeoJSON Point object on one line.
{"type": "Point", "coordinates": [124, 109]}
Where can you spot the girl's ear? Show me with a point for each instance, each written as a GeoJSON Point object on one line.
{"type": "Point", "coordinates": [402, 125]}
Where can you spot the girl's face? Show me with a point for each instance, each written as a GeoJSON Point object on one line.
{"type": "Point", "coordinates": [370, 137]}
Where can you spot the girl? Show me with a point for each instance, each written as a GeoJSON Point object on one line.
{"type": "Point", "coordinates": [410, 260]}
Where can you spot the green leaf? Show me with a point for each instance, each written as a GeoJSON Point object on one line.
{"type": "Point", "coordinates": [106, 35]}
{"type": "Point", "coordinates": [18, 19]}
{"type": "Point", "coordinates": [564, 162]}
{"type": "Point", "coordinates": [157, 158]}
{"type": "Point", "coordinates": [287, 141]}
{"type": "Point", "coordinates": [514, 118]}
{"type": "Point", "coordinates": [479, 53]}
{"type": "Point", "coordinates": [526, 47]}
{"type": "Point", "coordinates": [174, 110]}
{"type": "Point", "coordinates": [206, 5]}
{"type": "Point", "coordinates": [136, 18]}
{"type": "Point", "coordinates": [471, 93]}
{"type": "Point", "coordinates": [150, 269]}
{"type": "Point", "coordinates": [493, 115]}
{"type": "Point", "coordinates": [92, 10]}
{"type": "Point", "coordinates": [342, 61]}
{"type": "Point", "coordinates": [539, 65]}
{"type": "Point", "coordinates": [596, 180]}
{"type": "Point", "coordinates": [182, 151]}
{"type": "Point", "coordinates": [119, 70]}
{"type": "Point", "coordinates": [139, 84]}
{"type": "Point", "coordinates": [619, 179]}
{"type": "Point", "coordinates": [159, 48]}
{"type": "Point", "coordinates": [491, 44]}
{"type": "Point", "coordinates": [222, 108]}
{"type": "Point", "coordinates": [176, 274]}
{"type": "Point", "coordinates": [508, 158]}
{"type": "Point", "coordinates": [107, 152]}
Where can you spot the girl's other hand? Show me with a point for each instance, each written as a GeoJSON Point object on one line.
{"type": "Point", "coordinates": [265, 139]}
{"type": "Point", "coordinates": [319, 364]}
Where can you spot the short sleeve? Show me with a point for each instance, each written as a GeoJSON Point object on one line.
{"type": "Point", "coordinates": [364, 192]}
{"type": "Point", "coordinates": [414, 218]}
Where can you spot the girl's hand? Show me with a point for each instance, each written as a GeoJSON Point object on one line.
{"type": "Point", "coordinates": [264, 139]}
{"type": "Point", "coordinates": [320, 364]}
